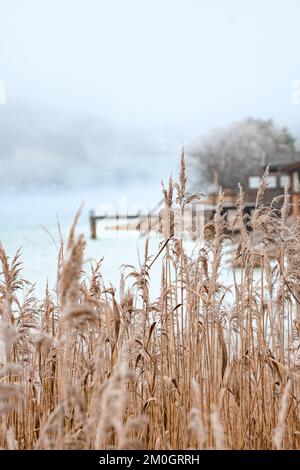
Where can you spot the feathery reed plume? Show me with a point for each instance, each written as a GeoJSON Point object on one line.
{"type": "Point", "coordinates": [217, 429]}
{"type": "Point", "coordinates": [211, 362]}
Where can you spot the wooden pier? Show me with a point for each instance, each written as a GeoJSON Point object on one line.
{"type": "Point", "coordinates": [139, 216]}
{"type": "Point", "coordinates": [146, 222]}
{"type": "Point", "coordinates": [117, 217]}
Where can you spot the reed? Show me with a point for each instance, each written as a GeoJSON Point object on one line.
{"type": "Point", "coordinates": [204, 365]}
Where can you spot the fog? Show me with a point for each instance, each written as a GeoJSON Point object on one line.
{"type": "Point", "coordinates": [101, 91]}
{"type": "Point", "coordinates": [38, 148]}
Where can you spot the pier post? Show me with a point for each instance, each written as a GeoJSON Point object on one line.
{"type": "Point", "coordinates": [93, 224]}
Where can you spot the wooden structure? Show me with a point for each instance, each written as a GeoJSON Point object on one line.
{"type": "Point", "coordinates": [94, 218]}
{"type": "Point", "coordinates": [279, 176]}
{"type": "Point", "coordinates": [191, 220]}
{"type": "Point", "coordinates": [293, 172]}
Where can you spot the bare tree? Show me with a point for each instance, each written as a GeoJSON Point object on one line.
{"type": "Point", "coordinates": [240, 150]}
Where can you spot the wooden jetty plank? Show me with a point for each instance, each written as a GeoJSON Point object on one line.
{"type": "Point", "coordinates": [117, 216]}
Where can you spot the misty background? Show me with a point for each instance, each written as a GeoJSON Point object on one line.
{"type": "Point", "coordinates": [101, 95]}
{"type": "Point", "coordinates": [104, 92]}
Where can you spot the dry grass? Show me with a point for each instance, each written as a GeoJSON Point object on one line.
{"type": "Point", "coordinates": [205, 365]}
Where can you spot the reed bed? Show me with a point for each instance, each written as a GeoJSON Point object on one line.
{"type": "Point", "coordinates": [203, 366]}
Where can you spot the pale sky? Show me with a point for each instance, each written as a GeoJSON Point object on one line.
{"type": "Point", "coordinates": [149, 73]}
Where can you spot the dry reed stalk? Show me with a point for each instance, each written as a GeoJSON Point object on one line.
{"type": "Point", "coordinates": [207, 364]}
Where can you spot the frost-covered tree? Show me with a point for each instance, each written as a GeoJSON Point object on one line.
{"type": "Point", "coordinates": [241, 150]}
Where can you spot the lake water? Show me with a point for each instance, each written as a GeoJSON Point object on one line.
{"type": "Point", "coordinates": [27, 216]}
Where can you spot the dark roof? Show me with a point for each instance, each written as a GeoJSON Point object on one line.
{"type": "Point", "coordinates": [283, 166]}
{"type": "Point", "coordinates": [291, 166]}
